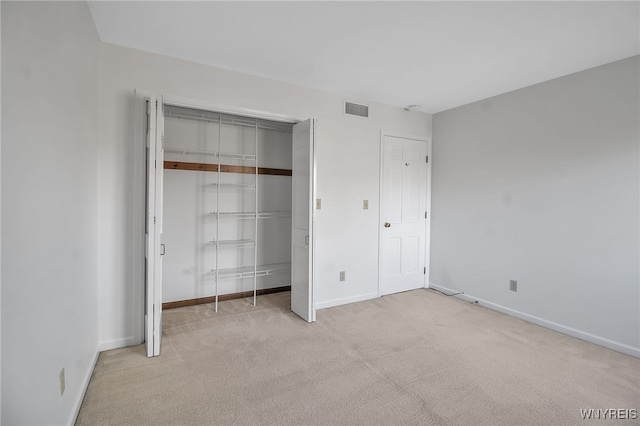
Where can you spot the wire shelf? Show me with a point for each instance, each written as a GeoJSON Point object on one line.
{"type": "Point", "coordinates": [233, 185]}
{"type": "Point", "coordinates": [229, 244]}
{"type": "Point", "coordinates": [274, 215]}
{"type": "Point", "coordinates": [247, 157]}
{"type": "Point", "coordinates": [252, 215]}
{"type": "Point", "coordinates": [248, 271]}
{"type": "Point", "coordinates": [228, 155]}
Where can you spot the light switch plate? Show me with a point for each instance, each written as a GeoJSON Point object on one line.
{"type": "Point", "coordinates": [342, 275]}
{"type": "Point", "coordinates": [318, 203]}
{"type": "Point", "coordinates": [365, 204]}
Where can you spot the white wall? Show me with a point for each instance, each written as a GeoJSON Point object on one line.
{"type": "Point", "coordinates": [541, 185]}
{"type": "Point", "coordinates": [347, 158]}
{"type": "Point", "coordinates": [50, 58]}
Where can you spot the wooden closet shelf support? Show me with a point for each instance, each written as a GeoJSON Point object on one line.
{"type": "Point", "coordinates": [225, 168]}
{"type": "Point", "coordinates": [180, 165]}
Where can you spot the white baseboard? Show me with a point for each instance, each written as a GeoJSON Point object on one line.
{"type": "Point", "coordinates": [338, 302]}
{"type": "Point", "coordinates": [582, 335]}
{"type": "Point", "coordinates": [80, 397]}
{"type": "Point", "coordinates": [116, 343]}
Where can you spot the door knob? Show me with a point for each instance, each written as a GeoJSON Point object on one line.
{"type": "Point", "coordinates": [387, 225]}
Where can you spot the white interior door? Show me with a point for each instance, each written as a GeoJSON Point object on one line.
{"type": "Point", "coordinates": [153, 228]}
{"type": "Point", "coordinates": [303, 183]}
{"type": "Point", "coordinates": [403, 214]}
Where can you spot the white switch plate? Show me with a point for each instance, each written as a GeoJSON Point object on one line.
{"type": "Point", "coordinates": [341, 275]}
{"type": "Point", "coordinates": [365, 204]}
{"type": "Point", "coordinates": [318, 203]}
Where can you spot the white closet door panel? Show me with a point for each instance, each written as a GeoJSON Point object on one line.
{"type": "Point", "coordinates": [159, 174]}
{"type": "Point", "coordinates": [154, 163]}
{"type": "Point", "coordinates": [302, 221]}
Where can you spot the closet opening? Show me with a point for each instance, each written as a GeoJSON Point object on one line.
{"type": "Point", "coordinates": [227, 207]}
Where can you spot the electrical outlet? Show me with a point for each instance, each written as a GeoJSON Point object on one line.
{"type": "Point", "coordinates": [61, 379]}
{"type": "Point", "coordinates": [341, 275]}
{"type": "Point", "coordinates": [365, 204]}
{"type": "Point", "coordinates": [513, 285]}
{"type": "Point", "coordinates": [318, 203]}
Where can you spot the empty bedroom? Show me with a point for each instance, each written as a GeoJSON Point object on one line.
{"type": "Point", "coordinates": [320, 213]}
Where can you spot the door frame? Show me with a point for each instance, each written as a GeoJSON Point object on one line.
{"type": "Point", "coordinates": [427, 230]}
{"type": "Point", "coordinates": [140, 186]}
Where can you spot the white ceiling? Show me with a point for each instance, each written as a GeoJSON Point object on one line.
{"type": "Point", "coordinates": [438, 55]}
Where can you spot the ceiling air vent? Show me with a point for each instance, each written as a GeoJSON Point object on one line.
{"type": "Point", "coordinates": [355, 109]}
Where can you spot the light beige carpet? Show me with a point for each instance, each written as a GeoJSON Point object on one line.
{"type": "Point", "coordinates": [411, 358]}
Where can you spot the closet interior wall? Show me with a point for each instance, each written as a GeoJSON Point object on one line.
{"type": "Point", "coordinates": [227, 204]}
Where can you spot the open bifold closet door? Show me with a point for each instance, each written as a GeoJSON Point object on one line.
{"type": "Point", "coordinates": [302, 224]}
{"type": "Point", "coordinates": [153, 225]}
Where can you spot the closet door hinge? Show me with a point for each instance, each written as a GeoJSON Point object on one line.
{"type": "Point", "coordinates": [425, 270]}
{"type": "Point", "coordinates": [427, 158]}
{"type": "Point", "coordinates": [425, 215]}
